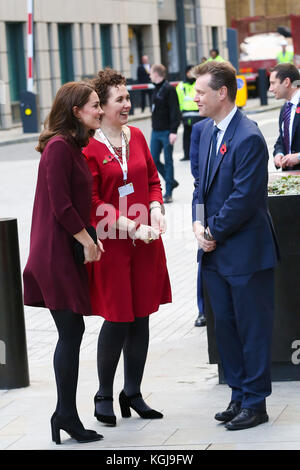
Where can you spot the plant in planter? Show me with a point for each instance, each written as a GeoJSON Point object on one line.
{"type": "Point", "coordinates": [284, 185]}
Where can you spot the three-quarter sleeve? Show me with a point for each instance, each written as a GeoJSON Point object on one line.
{"type": "Point", "coordinates": [59, 165]}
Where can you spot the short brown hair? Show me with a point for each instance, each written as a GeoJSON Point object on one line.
{"type": "Point", "coordinates": [106, 79]}
{"type": "Point", "coordinates": [160, 69]}
{"type": "Point", "coordinates": [222, 74]}
{"type": "Point", "coordinates": [286, 70]}
{"type": "Point", "coordinates": [61, 119]}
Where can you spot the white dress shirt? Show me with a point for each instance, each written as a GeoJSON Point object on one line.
{"type": "Point", "coordinates": [223, 126]}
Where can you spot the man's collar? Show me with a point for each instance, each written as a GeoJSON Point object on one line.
{"type": "Point", "coordinates": [225, 122]}
{"type": "Point", "coordinates": [296, 97]}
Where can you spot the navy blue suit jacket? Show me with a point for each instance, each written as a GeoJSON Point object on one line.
{"type": "Point", "coordinates": [235, 203]}
{"type": "Point", "coordinates": [295, 145]}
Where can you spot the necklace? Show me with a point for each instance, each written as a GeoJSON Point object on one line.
{"type": "Point", "coordinates": [118, 150]}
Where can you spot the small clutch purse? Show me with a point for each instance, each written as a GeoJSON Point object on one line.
{"type": "Point", "coordinates": [78, 247]}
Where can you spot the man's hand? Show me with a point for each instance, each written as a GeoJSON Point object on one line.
{"type": "Point", "coordinates": [278, 160]}
{"type": "Point", "coordinates": [291, 159]}
{"type": "Point", "coordinates": [172, 138]}
{"type": "Point", "coordinates": [205, 245]}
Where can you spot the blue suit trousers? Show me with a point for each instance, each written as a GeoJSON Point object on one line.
{"type": "Point", "coordinates": [243, 324]}
{"type": "Point", "coordinates": [159, 141]}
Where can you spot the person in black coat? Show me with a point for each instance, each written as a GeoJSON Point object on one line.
{"type": "Point", "coordinates": [166, 119]}
{"type": "Point", "coordinates": [285, 83]}
{"type": "Point", "coordinates": [143, 76]}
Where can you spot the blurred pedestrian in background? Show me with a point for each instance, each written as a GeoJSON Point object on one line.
{"type": "Point", "coordinates": [60, 216]}
{"type": "Point", "coordinates": [132, 279]}
{"type": "Point", "coordinates": [189, 109]}
{"type": "Point", "coordinates": [284, 55]}
{"type": "Point", "coordinates": [143, 75]}
{"type": "Point", "coordinates": [285, 84]}
{"type": "Point", "coordinates": [165, 122]}
{"type": "Point", "coordinates": [214, 55]}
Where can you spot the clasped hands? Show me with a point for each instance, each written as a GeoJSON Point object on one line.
{"type": "Point", "coordinates": [205, 245]}
{"type": "Point", "coordinates": [149, 233]}
{"type": "Point", "coordinates": [283, 161]}
{"type": "Point", "coordinates": [93, 252]}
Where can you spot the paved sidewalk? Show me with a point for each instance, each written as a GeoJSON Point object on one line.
{"type": "Point", "coordinates": [178, 379]}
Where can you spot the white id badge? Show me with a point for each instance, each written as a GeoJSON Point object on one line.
{"type": "Point", "coordinates": [126, 189]}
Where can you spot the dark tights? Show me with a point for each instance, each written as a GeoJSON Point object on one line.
{"type": "Point", "coordinates": [133, 339]}
{"type": "Point", "coordinates": [70, 327]}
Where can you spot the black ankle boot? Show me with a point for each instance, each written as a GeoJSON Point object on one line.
{"type": "Point", "coordinates": [126, 404]}
{"type": "Point", "coordinates": [74, 428]}
{"type": "Point", "coordinates": [106, 419]}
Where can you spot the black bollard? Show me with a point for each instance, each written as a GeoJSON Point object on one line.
{"type": "Point", "coordinates": [263, 86]}
{"type": "Point", "coordinates": [13, 351]}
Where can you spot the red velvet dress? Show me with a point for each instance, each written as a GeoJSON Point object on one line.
{"type": "Point", "coordinates": [129, 281]}
{"type": "Point", "coordinates": [62, 208]}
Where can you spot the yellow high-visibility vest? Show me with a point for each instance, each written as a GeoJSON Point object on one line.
{"type": "Point", "coordinates": [288, 57]}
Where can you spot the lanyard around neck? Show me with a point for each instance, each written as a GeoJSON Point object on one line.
{"type": "Point", "coordinates": [123, 163]}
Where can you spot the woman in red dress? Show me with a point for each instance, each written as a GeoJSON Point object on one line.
{"type": "Point", "coordinates": [132, 279]}
{"type": "Point", "coordinates": [61, 214]}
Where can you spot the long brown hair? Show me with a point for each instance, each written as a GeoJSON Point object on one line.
{"type": "Point", "coordinates": [61, 119]}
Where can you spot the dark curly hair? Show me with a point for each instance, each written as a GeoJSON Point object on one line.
{"type": "Point", "coordinates": [106, 79]}
{"type": "Point", "coordinates": [61, 119]}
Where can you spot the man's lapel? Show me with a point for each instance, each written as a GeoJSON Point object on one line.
{"type": "Point", "coordinates": [204, 146]}
{"type": "Point", "coordinates": [225, 145]}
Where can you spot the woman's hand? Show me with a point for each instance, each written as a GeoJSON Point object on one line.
{"type": "Point", "coordinates": [91, 252]}
{"type": "Point", "coordinates": [158, 220]}
{"type": "Point", "coordinates": [146, 233]}
{"type": "Point", "coordinates": [100, 250]}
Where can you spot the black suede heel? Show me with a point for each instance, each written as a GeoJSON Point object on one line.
{"type": "Point", "coordinates": [126, 404]}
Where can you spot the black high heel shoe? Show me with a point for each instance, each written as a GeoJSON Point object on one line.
{"type": "Point", "coordinates": [126, 404]}
{"type": "Point", "coordinates": [74, 428]}
{"type": "Point", "coordinates": [106, 419]}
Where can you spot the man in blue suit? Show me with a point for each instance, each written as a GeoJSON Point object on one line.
{"type": "Point", "coordinates": [285, 83]}
{"type": "Point", "coordinates": [237, 245]}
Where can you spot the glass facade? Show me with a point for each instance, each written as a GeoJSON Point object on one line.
{"type": "Point", "coordinates": [16, 66]}
{"type": "Point", "coordinates": [190, 31]}
{"type": "Point", "coordinates": [66, 52]}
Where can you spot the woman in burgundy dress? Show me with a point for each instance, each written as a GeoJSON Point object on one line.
{"type": "Point", "coordinates": [61, 214]}
{"type": "Point", "coordinates": [132, 279]}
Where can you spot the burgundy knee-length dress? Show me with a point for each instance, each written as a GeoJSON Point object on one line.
{"type": "Point", "coordinates": [62, 208]}
{"type": "Point", "coordinates": [129, 281]}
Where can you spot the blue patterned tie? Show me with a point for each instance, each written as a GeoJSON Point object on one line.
{"type": "Point", "coordinates": [286, 126]}
{"type": "Point", "coordinates": [212, 155]}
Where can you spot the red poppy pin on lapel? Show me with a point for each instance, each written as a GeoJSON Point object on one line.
{"type": "Point", "coordinates": [298, 110]}
{"type": "Point", "coordinates": [223, 149]}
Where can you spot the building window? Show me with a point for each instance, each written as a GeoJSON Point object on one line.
{"type": "Point", "coordinates": [106, 46]}
{"type": "Point", "coordinates": [215, 38]}
{"type": "Point", "coordinates": [16, 66]}
{"type": "Point", "coordinates": [66, 52]}
{"type": "Point", "coordinates": [190, 31]}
